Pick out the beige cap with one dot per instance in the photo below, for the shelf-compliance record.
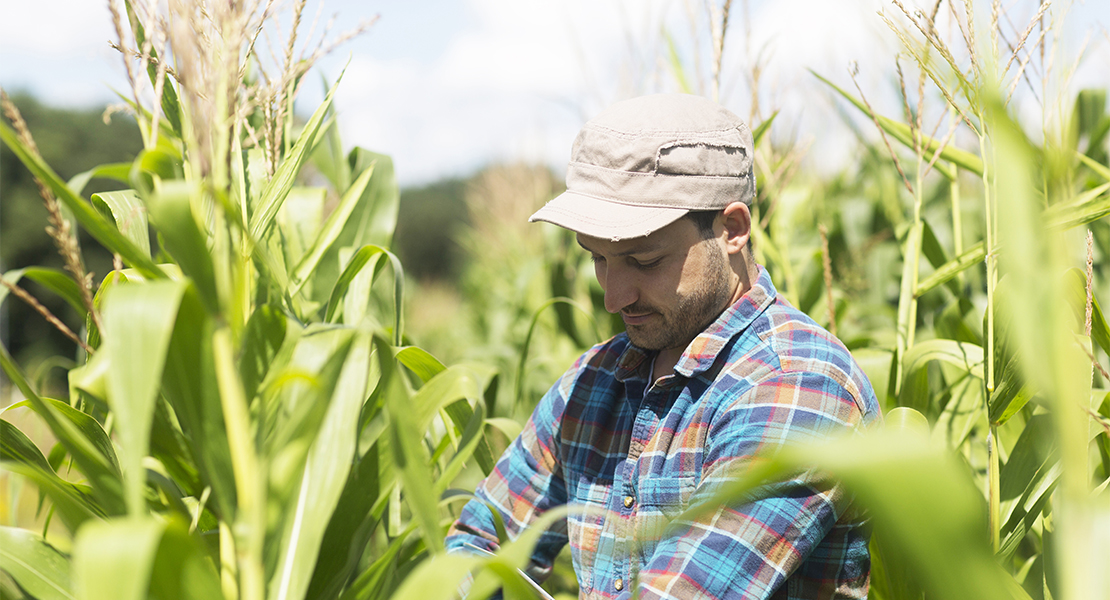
(643, 163)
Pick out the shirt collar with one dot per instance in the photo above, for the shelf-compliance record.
(703, 350)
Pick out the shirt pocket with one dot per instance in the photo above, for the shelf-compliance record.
(584, 529)
(660, 500)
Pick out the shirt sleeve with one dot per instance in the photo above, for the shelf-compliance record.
(526, 481)
(748, 550)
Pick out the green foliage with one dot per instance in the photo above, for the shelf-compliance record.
(73, 142)
(255, 420)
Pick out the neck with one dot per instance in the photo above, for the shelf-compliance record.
(665, 361)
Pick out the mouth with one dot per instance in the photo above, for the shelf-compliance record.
(631, 320)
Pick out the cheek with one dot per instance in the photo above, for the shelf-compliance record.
(599, 272)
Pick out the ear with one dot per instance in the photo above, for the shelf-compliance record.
(737, 221)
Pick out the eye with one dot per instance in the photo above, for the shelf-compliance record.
(596, 258)
(646, 265)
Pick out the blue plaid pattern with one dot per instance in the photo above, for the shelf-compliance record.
(761, 376)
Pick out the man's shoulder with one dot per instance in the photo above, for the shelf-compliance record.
(784, 341)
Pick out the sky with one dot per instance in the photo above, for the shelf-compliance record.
(447, 86)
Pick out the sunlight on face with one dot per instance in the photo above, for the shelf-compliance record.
(668, 286)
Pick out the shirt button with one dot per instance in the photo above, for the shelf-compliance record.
(629, 501)
(618, 585)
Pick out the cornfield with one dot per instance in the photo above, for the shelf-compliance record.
(249, 417)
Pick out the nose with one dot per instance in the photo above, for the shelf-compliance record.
(620, 288)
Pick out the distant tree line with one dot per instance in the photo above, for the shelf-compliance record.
(430, 220)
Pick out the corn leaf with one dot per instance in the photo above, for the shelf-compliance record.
(1089, 206)
(138, 321)
(120, 172)
(352, 523)
(113, 559)
(354, 267)
(420, 362)
(278, 187)
(182, 568)
(183, 238)
(189, 384)
(35, 565)
(74, 435)
(943, 273)
(1030, 472)
(54, 280)
(674, 63)
(171, 108)
(329, 232)
(762, 129)
(967, 358)
(325, 473)
(919, 496)
(129, 214)
(372, 221)
(1094, 165)
(902, 133)
(90, 219)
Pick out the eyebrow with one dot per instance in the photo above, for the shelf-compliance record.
(641, 249)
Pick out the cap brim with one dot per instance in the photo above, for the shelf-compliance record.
(600, 218)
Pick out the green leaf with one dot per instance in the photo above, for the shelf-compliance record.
(189, 384)
(90, 219)
(438, 578)
(674, 63)
(325, 473)
(35, 565)
(97, 467)
(420, 362)
(351, 526)
(352, 270)
(371, 223)
(113, 559)
(16, 446)
(138, 323)
(104, 452)
(328, 157)
(129, 214)
(1095, 166)
(406, 437)
(924, 506)
(902, 133)
(182, 569)
(262, 340)
(934, 252)
(73, 503)
(279, 185)
(1076, 289)
(120, 172)
(963, 356)
(170, 106)
(763, 128)
(182, 237)
(971, 257)
(1030, 472)
(513, 557)
(54, 280)
(329, 232)
(1087, 207)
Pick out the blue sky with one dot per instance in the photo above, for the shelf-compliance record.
(446, 86)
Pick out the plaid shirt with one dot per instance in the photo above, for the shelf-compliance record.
(761, 376)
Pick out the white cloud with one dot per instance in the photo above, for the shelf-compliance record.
(447, 85)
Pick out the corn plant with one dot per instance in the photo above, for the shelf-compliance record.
(247, 419)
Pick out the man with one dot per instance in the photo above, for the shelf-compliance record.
(713, 369)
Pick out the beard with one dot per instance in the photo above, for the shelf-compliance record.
(690, 314)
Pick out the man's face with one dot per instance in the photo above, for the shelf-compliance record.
(668, 286)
